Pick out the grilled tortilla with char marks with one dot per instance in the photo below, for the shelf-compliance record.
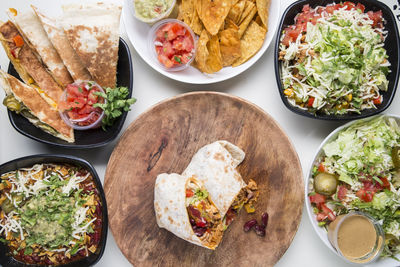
(28, 66)
(28, 102)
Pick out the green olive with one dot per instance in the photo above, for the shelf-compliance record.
(12, 103)
(325, 184)
(396, 157)
(7, 206)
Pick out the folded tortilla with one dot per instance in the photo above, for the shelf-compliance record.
(25, 100)
(171, 211)
(28, 66)
(61, 43)
(30, 26)
(93, 31)
(215, 166)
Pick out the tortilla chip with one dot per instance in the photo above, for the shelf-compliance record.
(236, 11)
(251, 42)
(229, 45)
(263, 10)
(247, 9)
(208, 57)
(213, 13)
(202, 51)
(186, 10)
(259, 21)
(196, 25)
(245, 23)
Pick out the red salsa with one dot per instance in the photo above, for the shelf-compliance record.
(174, 45)
(78, 103)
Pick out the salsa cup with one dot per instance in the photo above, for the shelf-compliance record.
(139, 7)
(152, 40)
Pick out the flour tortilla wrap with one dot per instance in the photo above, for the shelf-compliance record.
(93, 31)
(29, 25)
(28, 66)
(28, 102)
(61, 43)
(215, 166)
(170, 208)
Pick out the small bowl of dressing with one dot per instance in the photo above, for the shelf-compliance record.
(357, 237)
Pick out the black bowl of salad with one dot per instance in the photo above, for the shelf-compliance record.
(53, 212)
(337, 61)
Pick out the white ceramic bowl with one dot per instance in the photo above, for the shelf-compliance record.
(322, 233)
(137, 32)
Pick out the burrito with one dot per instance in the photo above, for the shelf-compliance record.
(28, 66)
(215, 166)
(25, 100)
(183, 206)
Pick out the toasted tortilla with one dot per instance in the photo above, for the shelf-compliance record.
(28, 66)
(29, 25)
(170, 207)
(95, 37)
(37, 106)
(215, 166)
(213, 13)
(61, 43)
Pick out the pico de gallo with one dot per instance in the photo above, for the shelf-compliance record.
(77, 103)
(360, 171)
(51, 214)
(203, 214)
(334, 60)
(174, 44)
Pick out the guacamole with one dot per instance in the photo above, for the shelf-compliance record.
(151, 9)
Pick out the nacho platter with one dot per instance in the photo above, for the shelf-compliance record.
(154, 144)
(137, 32)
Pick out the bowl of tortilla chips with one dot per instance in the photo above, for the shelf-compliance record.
(232, 36)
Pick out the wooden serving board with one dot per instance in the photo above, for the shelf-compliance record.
(164, 139)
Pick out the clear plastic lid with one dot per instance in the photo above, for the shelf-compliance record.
(152, 43)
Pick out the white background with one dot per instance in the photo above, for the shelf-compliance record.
(257, 85)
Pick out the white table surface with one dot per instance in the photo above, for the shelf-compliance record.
(257, 85)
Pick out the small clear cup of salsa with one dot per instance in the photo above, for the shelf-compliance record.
(172, 44)
(151, 11)
(76, 105)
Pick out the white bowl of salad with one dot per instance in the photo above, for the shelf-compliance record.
(357, 169)
(337, 60)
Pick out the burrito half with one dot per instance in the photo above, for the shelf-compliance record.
(183, 207)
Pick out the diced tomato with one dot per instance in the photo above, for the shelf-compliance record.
(327, 211)
(78, 102)
(360, 7)
(18, 41)
(189, 193)
(306, 8)
(186, 57)
(165, 60)
(378, 100)
(317, 199)
(92, 97)
(342, 192)
(86, 109)
(385, 183)
(349, 5)
(365, 195)
(321, 216)
(177, 44)
(321, 167)
(73, 90)
(230, 215)
(376, 17)
(13, 53)
(310, 101)
(201, 223)
(330, 9)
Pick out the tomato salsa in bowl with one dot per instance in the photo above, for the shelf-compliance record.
(172, 44)
(77, 105)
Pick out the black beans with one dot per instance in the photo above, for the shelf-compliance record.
(264, 219)
(250, 224)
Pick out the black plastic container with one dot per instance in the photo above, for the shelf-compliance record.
(6, 259)
(89, 138)
(392, 46)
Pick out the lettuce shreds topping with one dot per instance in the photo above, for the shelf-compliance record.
(338, 66)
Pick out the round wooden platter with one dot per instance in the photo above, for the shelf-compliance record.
(164, 139)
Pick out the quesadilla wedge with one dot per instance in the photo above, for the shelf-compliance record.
(61, 43)
(183, 207)
(25, 100)
(27, 64)
(95, 37)
(215, 166)
(31, 28)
